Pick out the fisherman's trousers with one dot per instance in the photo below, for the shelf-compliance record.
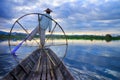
(41, 34)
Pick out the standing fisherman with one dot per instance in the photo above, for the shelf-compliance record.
(45, 22)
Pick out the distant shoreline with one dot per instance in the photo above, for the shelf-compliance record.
(107, 37)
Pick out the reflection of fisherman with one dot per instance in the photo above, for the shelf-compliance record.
(45, 22)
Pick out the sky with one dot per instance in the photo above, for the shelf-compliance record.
(75, 16)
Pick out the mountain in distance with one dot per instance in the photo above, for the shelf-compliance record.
(14, 33)
(3, 33)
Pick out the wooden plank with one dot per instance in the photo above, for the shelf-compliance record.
(61, 66)
(23, 68)
(40, 70)
(21, 75)
(8, 77)
(59, 75)
(51, 71)
(34, 56)
(18, 73)
(35, 71)
(40, 66)
(44, 73)
(15, 77)
(48, 69)
(30, 65)
(51, 64)
(32, 59)
(57, 71)
(50, 57)
(54, 57)
(65, 72)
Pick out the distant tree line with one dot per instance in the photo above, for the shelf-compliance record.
(107, 37)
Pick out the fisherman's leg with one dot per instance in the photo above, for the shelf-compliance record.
(32, 34)
(42, 37)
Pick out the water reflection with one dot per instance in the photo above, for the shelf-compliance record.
(7, 63)
(98, 60)
(93, 60)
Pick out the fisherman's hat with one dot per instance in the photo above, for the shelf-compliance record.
(48, 10)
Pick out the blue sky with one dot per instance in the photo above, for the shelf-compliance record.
(75, 16)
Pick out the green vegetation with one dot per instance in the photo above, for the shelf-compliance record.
(94, 37)
(107, 37)
(5, 37)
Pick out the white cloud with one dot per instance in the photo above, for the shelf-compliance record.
(74, 14)
(104, 21)
(93, 1)
(18, 1)
(20, 8)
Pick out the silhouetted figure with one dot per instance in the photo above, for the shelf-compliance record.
(45, 23)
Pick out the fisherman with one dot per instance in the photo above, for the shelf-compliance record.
(45, 23)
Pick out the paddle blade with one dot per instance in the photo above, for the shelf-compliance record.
(16, 48)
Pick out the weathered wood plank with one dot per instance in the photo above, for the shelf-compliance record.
(51, 71)
(23, 68)
(48, 69)
(44, 73)
(35, 71)
(9, 77)
(32, 59)
(51, 65)
(14, 76)
(59, 75)
(40, 65)
(54, 56)
(65, 72)
(61, 66)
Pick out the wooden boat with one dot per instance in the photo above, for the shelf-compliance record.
(42, 64)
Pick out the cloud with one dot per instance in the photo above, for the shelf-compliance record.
(85, 15)
(77, 15)
(6, 9)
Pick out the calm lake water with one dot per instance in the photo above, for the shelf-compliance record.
(86, 60)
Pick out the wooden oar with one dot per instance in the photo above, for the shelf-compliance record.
(18, 46)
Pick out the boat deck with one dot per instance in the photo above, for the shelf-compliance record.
(42, 64)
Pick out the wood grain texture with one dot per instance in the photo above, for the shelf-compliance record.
(40, 65)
